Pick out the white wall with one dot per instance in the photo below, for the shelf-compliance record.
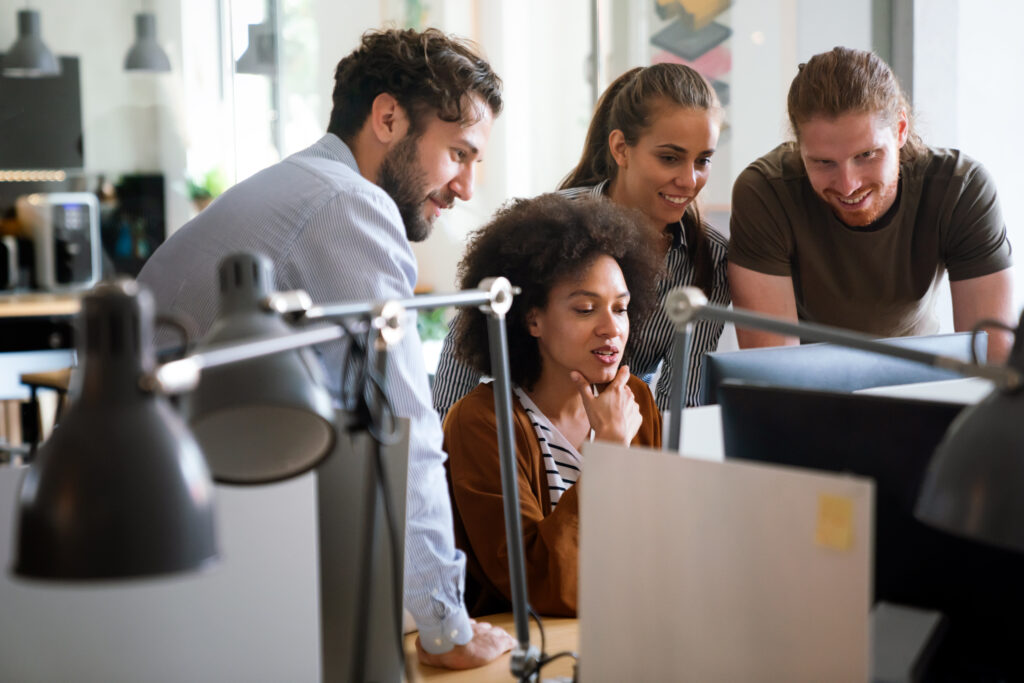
(252, 617)
(539, 135)
(770, 38)
(965, 55)
(989, 102)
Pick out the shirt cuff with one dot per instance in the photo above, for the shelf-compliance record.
(439, 637)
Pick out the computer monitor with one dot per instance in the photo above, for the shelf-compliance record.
(827, 366)
(979, 588)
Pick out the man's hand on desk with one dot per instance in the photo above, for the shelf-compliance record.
(488, 643)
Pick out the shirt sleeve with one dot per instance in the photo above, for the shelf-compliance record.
(550, 542)
(354, 248)
(975, 243)
(761, 238)
(651, 428)
(454, 379)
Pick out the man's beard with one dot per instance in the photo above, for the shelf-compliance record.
(402, 177)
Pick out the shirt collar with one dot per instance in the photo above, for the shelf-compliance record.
(333, 147)
(675, 229)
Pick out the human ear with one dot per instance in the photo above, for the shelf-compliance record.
(618, 147)
(532, 324)
(388, 119)
(902, 129)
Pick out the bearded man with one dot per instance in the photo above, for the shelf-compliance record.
(855, 223)
(412, 114)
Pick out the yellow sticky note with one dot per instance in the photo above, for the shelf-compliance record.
(835, 522)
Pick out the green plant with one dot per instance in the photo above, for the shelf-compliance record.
(209, 186)
(431, 324)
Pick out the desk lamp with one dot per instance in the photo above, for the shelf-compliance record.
(972, 484)
(94, 505)
(51, 541)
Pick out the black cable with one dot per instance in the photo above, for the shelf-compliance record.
(540, 627)
(545, 659)
(181, 327)
(987, 322)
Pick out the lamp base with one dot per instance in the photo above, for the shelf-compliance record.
(343, 491)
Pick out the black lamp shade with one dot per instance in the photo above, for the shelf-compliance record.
(120, 489)
(974, 481)
(260, 420)
(28, 56)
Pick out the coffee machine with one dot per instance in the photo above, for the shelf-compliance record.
(65, 235)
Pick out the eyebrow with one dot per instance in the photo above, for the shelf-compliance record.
(473, 149)
(681, 150)
(594, 295)
(856, 154)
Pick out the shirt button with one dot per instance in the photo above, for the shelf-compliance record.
(455, 632)
(434, 592)
(438, 642)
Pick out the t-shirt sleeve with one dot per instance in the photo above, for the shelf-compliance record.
(761, 238)
(975, 242)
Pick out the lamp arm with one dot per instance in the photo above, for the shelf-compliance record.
(299, 302)
(685, 304)
(182, 375)
(525, 658)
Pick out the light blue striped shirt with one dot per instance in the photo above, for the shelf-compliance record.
(335, 234)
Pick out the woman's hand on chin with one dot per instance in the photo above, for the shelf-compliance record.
(614, 413)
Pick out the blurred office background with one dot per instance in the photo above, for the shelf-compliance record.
(249, 82)
(215, 117)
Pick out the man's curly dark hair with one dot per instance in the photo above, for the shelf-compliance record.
(537, 243)
(424, 71)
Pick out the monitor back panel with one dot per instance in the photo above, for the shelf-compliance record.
(827, 366)
(890, 440)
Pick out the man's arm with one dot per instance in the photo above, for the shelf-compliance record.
(989, 297)
(364, 227)
(761, 293)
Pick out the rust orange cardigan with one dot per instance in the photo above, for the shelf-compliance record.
(551, 538)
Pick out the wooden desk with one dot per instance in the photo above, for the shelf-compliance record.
(562, 634)
(37, 304)
(36, 320)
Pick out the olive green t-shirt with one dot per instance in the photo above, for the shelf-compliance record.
(881, 279)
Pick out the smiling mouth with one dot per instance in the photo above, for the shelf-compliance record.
(675, 199)
(853, 201)
(436, 206)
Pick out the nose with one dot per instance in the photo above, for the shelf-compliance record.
(847, 180)
(608, 325)
(687, 177)
(462, 184)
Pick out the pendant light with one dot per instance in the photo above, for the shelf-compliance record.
(28, 56)
(145, 54)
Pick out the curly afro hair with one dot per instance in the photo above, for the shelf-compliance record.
(537, 243)
(425, 71)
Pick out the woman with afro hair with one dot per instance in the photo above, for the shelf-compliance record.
(588, 270)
